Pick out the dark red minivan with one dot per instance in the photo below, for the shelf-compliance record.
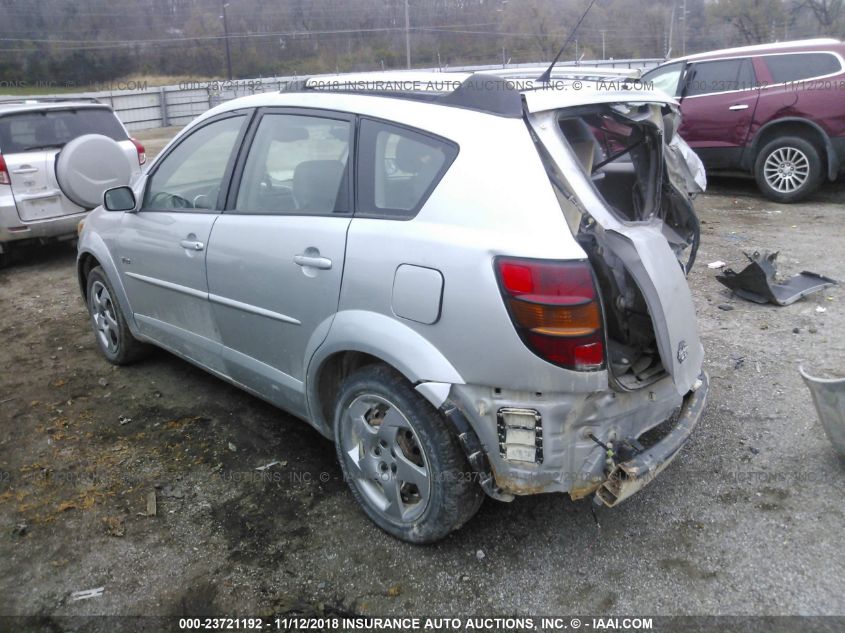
(776, 110)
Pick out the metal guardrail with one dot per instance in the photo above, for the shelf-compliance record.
(163, 106)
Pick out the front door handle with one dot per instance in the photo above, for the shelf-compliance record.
(323, 263)
(739, 106)
(192, 245)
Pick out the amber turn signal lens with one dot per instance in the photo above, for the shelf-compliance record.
(579, 320)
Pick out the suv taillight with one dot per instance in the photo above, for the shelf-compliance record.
(4, 172)
(555, 309)
(142, 153)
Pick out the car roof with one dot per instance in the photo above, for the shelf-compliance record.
(818, 44)
(8, 106)
(504, 93)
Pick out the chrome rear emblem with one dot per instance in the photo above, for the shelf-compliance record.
(683, 351)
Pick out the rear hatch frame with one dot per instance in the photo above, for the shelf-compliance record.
(642, 246)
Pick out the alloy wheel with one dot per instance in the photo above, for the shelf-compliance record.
(104, 317)
(786, 169)
(385, 458)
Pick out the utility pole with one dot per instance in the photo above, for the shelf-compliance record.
(684, 35)
(226, 37)
(671, 32)
(603, 34)
(407, 36)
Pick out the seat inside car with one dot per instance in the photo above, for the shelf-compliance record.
(317, 184)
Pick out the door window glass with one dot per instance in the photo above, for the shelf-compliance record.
(190, 176)
(712, 77)
(665, 78)
(297, 165)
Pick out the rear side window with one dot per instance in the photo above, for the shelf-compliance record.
(398, 169)
(720, 76)
(29, 131)
(785, 68)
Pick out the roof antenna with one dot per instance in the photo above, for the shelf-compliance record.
(547, 76)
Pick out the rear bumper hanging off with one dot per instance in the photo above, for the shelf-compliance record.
(629, 477)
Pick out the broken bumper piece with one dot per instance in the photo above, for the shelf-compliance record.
(756, 282)
(631, 476)
(829, 398)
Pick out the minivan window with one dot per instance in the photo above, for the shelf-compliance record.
(398, 169)
(29, 131)
(795, 67)
(719, 76)
(190, 176)
(297, 165)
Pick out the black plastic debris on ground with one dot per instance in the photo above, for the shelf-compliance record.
(757, 283)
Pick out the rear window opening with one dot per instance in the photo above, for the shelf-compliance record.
(46, 129)
(621, 156)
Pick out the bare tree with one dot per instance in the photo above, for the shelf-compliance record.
(828, 13)
(754, 21)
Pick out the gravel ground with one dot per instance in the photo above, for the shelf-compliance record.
(748, 520)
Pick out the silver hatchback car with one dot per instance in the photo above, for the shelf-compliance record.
(474, 284)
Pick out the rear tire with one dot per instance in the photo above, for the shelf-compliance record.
(402, 461)
(112, 333)
(788, 169)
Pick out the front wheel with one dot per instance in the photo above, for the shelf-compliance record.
(402, 461)
(113, 336)
(788, 169)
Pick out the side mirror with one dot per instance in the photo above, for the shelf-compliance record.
(119, 199)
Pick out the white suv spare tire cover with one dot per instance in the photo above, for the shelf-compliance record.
(89, 165)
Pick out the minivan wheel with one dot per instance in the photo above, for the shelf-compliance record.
(403, 463)
(113, 336)
(788, 169)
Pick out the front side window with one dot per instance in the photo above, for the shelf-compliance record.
(190, 176)
(795, 67)
(665, 78)
(398, 169)
(719, 76)
(297, 165)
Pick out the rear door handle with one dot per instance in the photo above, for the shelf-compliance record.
(25, 170)
(323, 263)
(740, 106)
(192, 245)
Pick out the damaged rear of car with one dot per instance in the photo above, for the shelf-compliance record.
(624, 183)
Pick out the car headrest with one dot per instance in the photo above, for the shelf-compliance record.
(316, 184)
(413, 157)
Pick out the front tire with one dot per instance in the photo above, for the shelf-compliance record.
(788, 169)
(402, 461)
(112, 333)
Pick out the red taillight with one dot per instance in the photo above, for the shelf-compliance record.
(4, 172)
(142, 153)
(555, 309)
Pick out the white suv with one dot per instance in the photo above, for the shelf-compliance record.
(472, 284)
(34, 206)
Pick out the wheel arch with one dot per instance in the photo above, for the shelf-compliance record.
(85, 262)
(94, 252)
(795, 126)
(357, 338)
